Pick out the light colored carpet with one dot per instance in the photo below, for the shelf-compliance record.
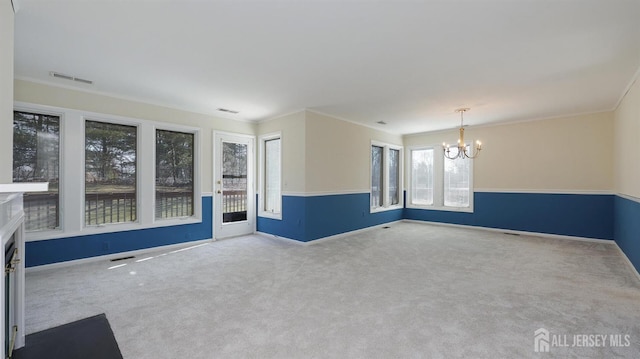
(410, 291)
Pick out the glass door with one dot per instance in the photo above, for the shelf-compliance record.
(234, 185)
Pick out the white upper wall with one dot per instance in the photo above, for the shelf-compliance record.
(338, 154)
(41, 94)
(322, 154)
(626, 144)
(6, 91)
(292, 130)
(562, 154)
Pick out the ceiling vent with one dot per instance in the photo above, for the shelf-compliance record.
(70, 78)
(228, 111)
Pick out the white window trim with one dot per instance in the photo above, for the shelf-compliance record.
(438, 182)
(385, 170)
(72, 173)
(409, 167)
(139, 164)
(197, 190)
(61, 175)
(261, 175)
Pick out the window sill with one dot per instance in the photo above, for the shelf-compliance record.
(442, 208)
(270, 215)
(384, 209)
(109, 228)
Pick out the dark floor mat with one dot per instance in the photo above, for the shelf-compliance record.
(86, 338)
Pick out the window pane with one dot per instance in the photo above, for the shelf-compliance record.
(272, 199)
(394, 176)
(110, 173)
(234, 182)
(422, 177)
(36, 158)
(456, 182)
(174, 174)
(376, 176)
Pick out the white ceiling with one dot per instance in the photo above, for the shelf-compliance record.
(408, 63)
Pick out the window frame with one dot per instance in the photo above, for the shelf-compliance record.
(86, 119)
(197, 194)
(72, 145)
(40, 110)
(438, 182)
(262, 139)
(410, 203)
(386, 206)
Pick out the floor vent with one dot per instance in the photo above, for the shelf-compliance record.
(386, 227)
(511, 234)
(121, 259)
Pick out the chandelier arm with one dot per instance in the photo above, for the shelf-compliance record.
(447, 154)
(476, 153)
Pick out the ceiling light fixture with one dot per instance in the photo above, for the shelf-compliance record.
(462, 146)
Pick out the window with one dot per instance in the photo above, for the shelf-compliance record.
(439, 183)
(394, 176)
(110, 173)
(90, 161)
(174, 174)
(422, 176)
(456, 182)
(36, 158)
(235, 181)
(377, 180)
(272, 202)
(271, 172)
(386, 176)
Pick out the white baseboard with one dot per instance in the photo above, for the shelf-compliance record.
(280, 238)
(630, 198)
(115, 255)
(510, 231)
(345, 234)
(329, 238)
(633, 268)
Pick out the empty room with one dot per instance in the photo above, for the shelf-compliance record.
(320, 179)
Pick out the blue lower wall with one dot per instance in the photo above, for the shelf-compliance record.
(580, 215)
(313, 217)
(335, 214)
(627, 228)
(70, 248)
(293, 222)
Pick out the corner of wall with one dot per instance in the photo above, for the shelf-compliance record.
(6, 91)
(627, 173)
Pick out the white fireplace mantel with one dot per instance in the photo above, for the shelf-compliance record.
(24, 187)
(12, 226)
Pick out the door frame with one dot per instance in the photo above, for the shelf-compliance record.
(218, 225)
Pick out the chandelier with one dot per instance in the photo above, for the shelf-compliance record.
(462, 151)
